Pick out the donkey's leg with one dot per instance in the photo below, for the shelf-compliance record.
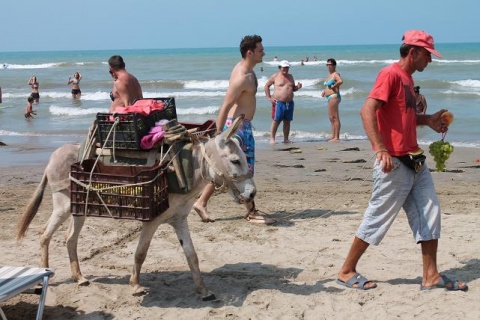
(183, 234)
(60, 213)
(146, 235)
(72, 242)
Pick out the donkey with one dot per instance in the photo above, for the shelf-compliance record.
(220, 161)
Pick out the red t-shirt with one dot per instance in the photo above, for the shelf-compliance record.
(396, 118)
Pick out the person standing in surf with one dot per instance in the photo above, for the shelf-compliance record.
(33, 82)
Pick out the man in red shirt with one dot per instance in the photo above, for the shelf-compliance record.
(401, 178)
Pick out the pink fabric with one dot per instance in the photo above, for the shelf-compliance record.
(149, 140)
(143, 107)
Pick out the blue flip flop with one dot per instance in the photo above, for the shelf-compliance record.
(446, 283)
(357, 279)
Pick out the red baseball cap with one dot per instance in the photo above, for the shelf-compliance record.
(420, 39)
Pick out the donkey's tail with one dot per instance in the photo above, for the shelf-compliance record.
(31, 209)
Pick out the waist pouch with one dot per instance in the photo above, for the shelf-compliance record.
(414, 162)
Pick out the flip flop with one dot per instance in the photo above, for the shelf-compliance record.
(357, 279)
(253, 216)
(446, 283)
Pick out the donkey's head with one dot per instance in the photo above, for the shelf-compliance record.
(228, 164)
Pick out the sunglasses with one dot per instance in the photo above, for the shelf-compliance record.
(329, 64)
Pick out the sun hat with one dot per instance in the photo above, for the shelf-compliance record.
(420, 39)
(284, 64)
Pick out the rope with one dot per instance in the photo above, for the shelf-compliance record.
(223, 186)
(117, 121)
(201, 133)
(174, 139)
(444, 134)
(89, 143)
(89, 186)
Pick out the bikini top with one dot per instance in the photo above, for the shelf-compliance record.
(75, 81)
(35, 86)
(329, 83)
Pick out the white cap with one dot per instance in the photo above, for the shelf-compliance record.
(284, 64)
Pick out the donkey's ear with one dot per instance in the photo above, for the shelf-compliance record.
(234, 127)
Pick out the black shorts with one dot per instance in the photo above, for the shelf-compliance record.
(35, 95)
(76, 91)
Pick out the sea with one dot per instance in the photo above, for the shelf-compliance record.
(198, 80)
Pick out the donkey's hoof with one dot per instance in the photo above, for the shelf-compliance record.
(210, 297)
(83, 282)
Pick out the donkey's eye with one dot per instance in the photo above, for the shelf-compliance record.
(236, 162)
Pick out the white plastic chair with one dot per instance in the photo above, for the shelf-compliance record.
(15, 280)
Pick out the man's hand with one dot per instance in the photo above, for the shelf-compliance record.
(434, 121)
(386, 159)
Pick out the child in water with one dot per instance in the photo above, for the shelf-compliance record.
(29, 109)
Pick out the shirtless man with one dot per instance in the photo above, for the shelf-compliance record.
(282, 101)
(126, 88)
(239, 99)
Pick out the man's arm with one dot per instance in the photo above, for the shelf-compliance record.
(235, 89)
(295, 87)
(268, 84)
(338, 80)
(369, 120)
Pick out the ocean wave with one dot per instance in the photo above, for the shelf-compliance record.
(33, 134)
(206, 85)
(177, 94)
(462, 93)
(71, 111)
(306, 136)
(458, 61)
(368, 62)
(467, 83)
(31, 66)
(211, 110)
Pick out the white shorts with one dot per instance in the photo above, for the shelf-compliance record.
(401, 188)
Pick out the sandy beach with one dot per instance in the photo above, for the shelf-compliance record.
(317, 193)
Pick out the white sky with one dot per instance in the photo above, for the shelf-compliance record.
(142, 24)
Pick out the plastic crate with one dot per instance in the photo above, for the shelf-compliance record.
(124, 192)
(132, 126)
(208, 128)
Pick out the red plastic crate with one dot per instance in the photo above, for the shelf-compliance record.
(124, 192)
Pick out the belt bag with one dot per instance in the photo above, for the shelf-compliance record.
(414, 162)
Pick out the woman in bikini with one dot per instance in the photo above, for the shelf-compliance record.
(332, 93)
(75, 82)
(34, 84)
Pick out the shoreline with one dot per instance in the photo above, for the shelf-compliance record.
(34, 152)
(317, 194)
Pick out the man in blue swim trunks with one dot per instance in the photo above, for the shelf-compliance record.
(239, 99)
(282, 100)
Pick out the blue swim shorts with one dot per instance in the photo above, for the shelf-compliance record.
(397, 189)
(248, 142)
(283, 111)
